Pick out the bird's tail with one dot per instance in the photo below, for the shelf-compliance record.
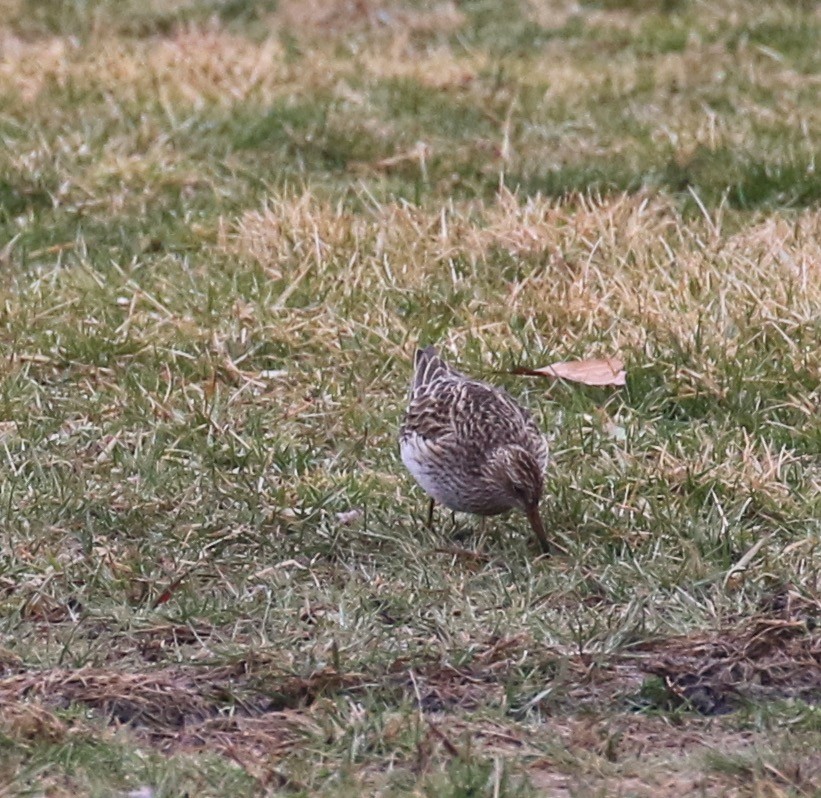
(428, 366)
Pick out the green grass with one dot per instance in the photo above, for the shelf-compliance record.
(224, 228)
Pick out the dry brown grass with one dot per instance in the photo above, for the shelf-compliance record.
(274, 714)
(630, 265)
(225, 227)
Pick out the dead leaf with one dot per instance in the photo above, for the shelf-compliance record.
(596, 371)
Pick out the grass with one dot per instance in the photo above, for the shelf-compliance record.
(224, 228)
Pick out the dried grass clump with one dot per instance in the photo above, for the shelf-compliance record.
(435, 68)
(776, 654)
(626, 264)
(171, 710)
(553, 14)
(419, 240)
(196, 67)
(31, 721)
(312, 18)
(205, 67)
(26, 67)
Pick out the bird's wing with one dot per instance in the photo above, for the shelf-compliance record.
(469, 412)
(447, 408)
(429, 413)
(491, 417)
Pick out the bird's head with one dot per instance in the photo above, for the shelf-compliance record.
(520, 475)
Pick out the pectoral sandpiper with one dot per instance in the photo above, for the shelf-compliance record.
(470, 446)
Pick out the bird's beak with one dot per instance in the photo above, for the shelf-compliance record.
(538, 527)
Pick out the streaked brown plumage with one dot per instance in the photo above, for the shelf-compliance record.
(470, 446)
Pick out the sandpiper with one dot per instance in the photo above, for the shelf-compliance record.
(470, 446)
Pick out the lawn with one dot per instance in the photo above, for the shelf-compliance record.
(226, 225)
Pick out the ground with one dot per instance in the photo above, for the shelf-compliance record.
(224, 229)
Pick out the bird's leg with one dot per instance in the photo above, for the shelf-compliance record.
(482, 525)
(430, 514)
(479, 538)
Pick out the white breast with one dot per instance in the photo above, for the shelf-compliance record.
(424, 462)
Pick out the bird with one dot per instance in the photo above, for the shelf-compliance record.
(470, 446)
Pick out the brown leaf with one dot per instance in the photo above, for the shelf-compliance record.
(597, 371)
